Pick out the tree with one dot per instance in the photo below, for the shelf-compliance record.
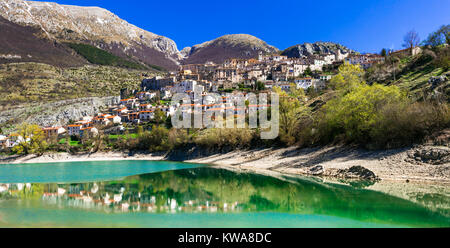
(291, 111)
(140, 130)
(348, 78)
(307, 72)
(32, 140)
(411, 40)
(439, 37)
(383, 52)
(297, 93)
(159, 117)
(260, 85)
(156, 140)
(356, 114)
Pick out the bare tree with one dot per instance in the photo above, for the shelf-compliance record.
(411, 40)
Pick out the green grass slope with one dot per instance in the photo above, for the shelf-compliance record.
(101, 57)
(412, 73)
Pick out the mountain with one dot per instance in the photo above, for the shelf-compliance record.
(228, 46)
(94, 26)
(308, 49)
(23, 44)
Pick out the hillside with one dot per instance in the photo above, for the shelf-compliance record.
(24, 44)
(36, 82)
(413, 73)
(101, 57)
(94, 26)
(228, 46)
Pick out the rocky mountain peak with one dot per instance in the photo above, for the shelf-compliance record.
(308, 49)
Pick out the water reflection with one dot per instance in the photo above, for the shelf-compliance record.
(209, 190)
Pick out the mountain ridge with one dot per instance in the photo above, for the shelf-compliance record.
(61, 24)
(319, 47)
(95, 26)
(226, 47)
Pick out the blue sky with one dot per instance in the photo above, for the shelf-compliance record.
(364, 25)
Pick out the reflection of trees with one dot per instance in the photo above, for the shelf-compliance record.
(209, 189)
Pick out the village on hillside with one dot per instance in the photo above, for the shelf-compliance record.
(256, 75)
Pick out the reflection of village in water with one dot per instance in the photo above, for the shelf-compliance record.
(211, 190)
(115, 197)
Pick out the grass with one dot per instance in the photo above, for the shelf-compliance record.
(101, 57)
(74, 143)
(412, 73)
(116, 136)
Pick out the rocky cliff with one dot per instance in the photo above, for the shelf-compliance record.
(92, 25)
(56, 113)
(308, 49)
(228, 46)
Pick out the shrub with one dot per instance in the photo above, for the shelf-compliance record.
(399, 125)
(177, 138)
(225, 137)
(379, 117)
(156, 140)
(354, 114)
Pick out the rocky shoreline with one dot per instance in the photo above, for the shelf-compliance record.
(420, 164)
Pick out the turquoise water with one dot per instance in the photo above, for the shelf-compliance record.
(170, 194)
(83, 171)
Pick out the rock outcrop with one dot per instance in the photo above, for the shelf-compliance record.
(58, 113)
(437, 81)
(308, 49)
(430, 155)
(357, 172)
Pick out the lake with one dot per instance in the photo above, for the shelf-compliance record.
(173, 194)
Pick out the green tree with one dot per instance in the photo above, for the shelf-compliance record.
(140, 129)
(291, 110)
(159, 117)
(383, 52)
(348, 78)
(156, 140)
(33, 140)
(307, 72)
(356, 113)
(260, 85)
(439, 37)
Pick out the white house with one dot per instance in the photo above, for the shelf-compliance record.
(53, 131)
(74, 130)
(146, 115)
(145, 95)
(114, 119)
(303, 83)
(185, 86)
(4, 142)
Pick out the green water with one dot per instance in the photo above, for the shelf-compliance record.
(169, 194)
